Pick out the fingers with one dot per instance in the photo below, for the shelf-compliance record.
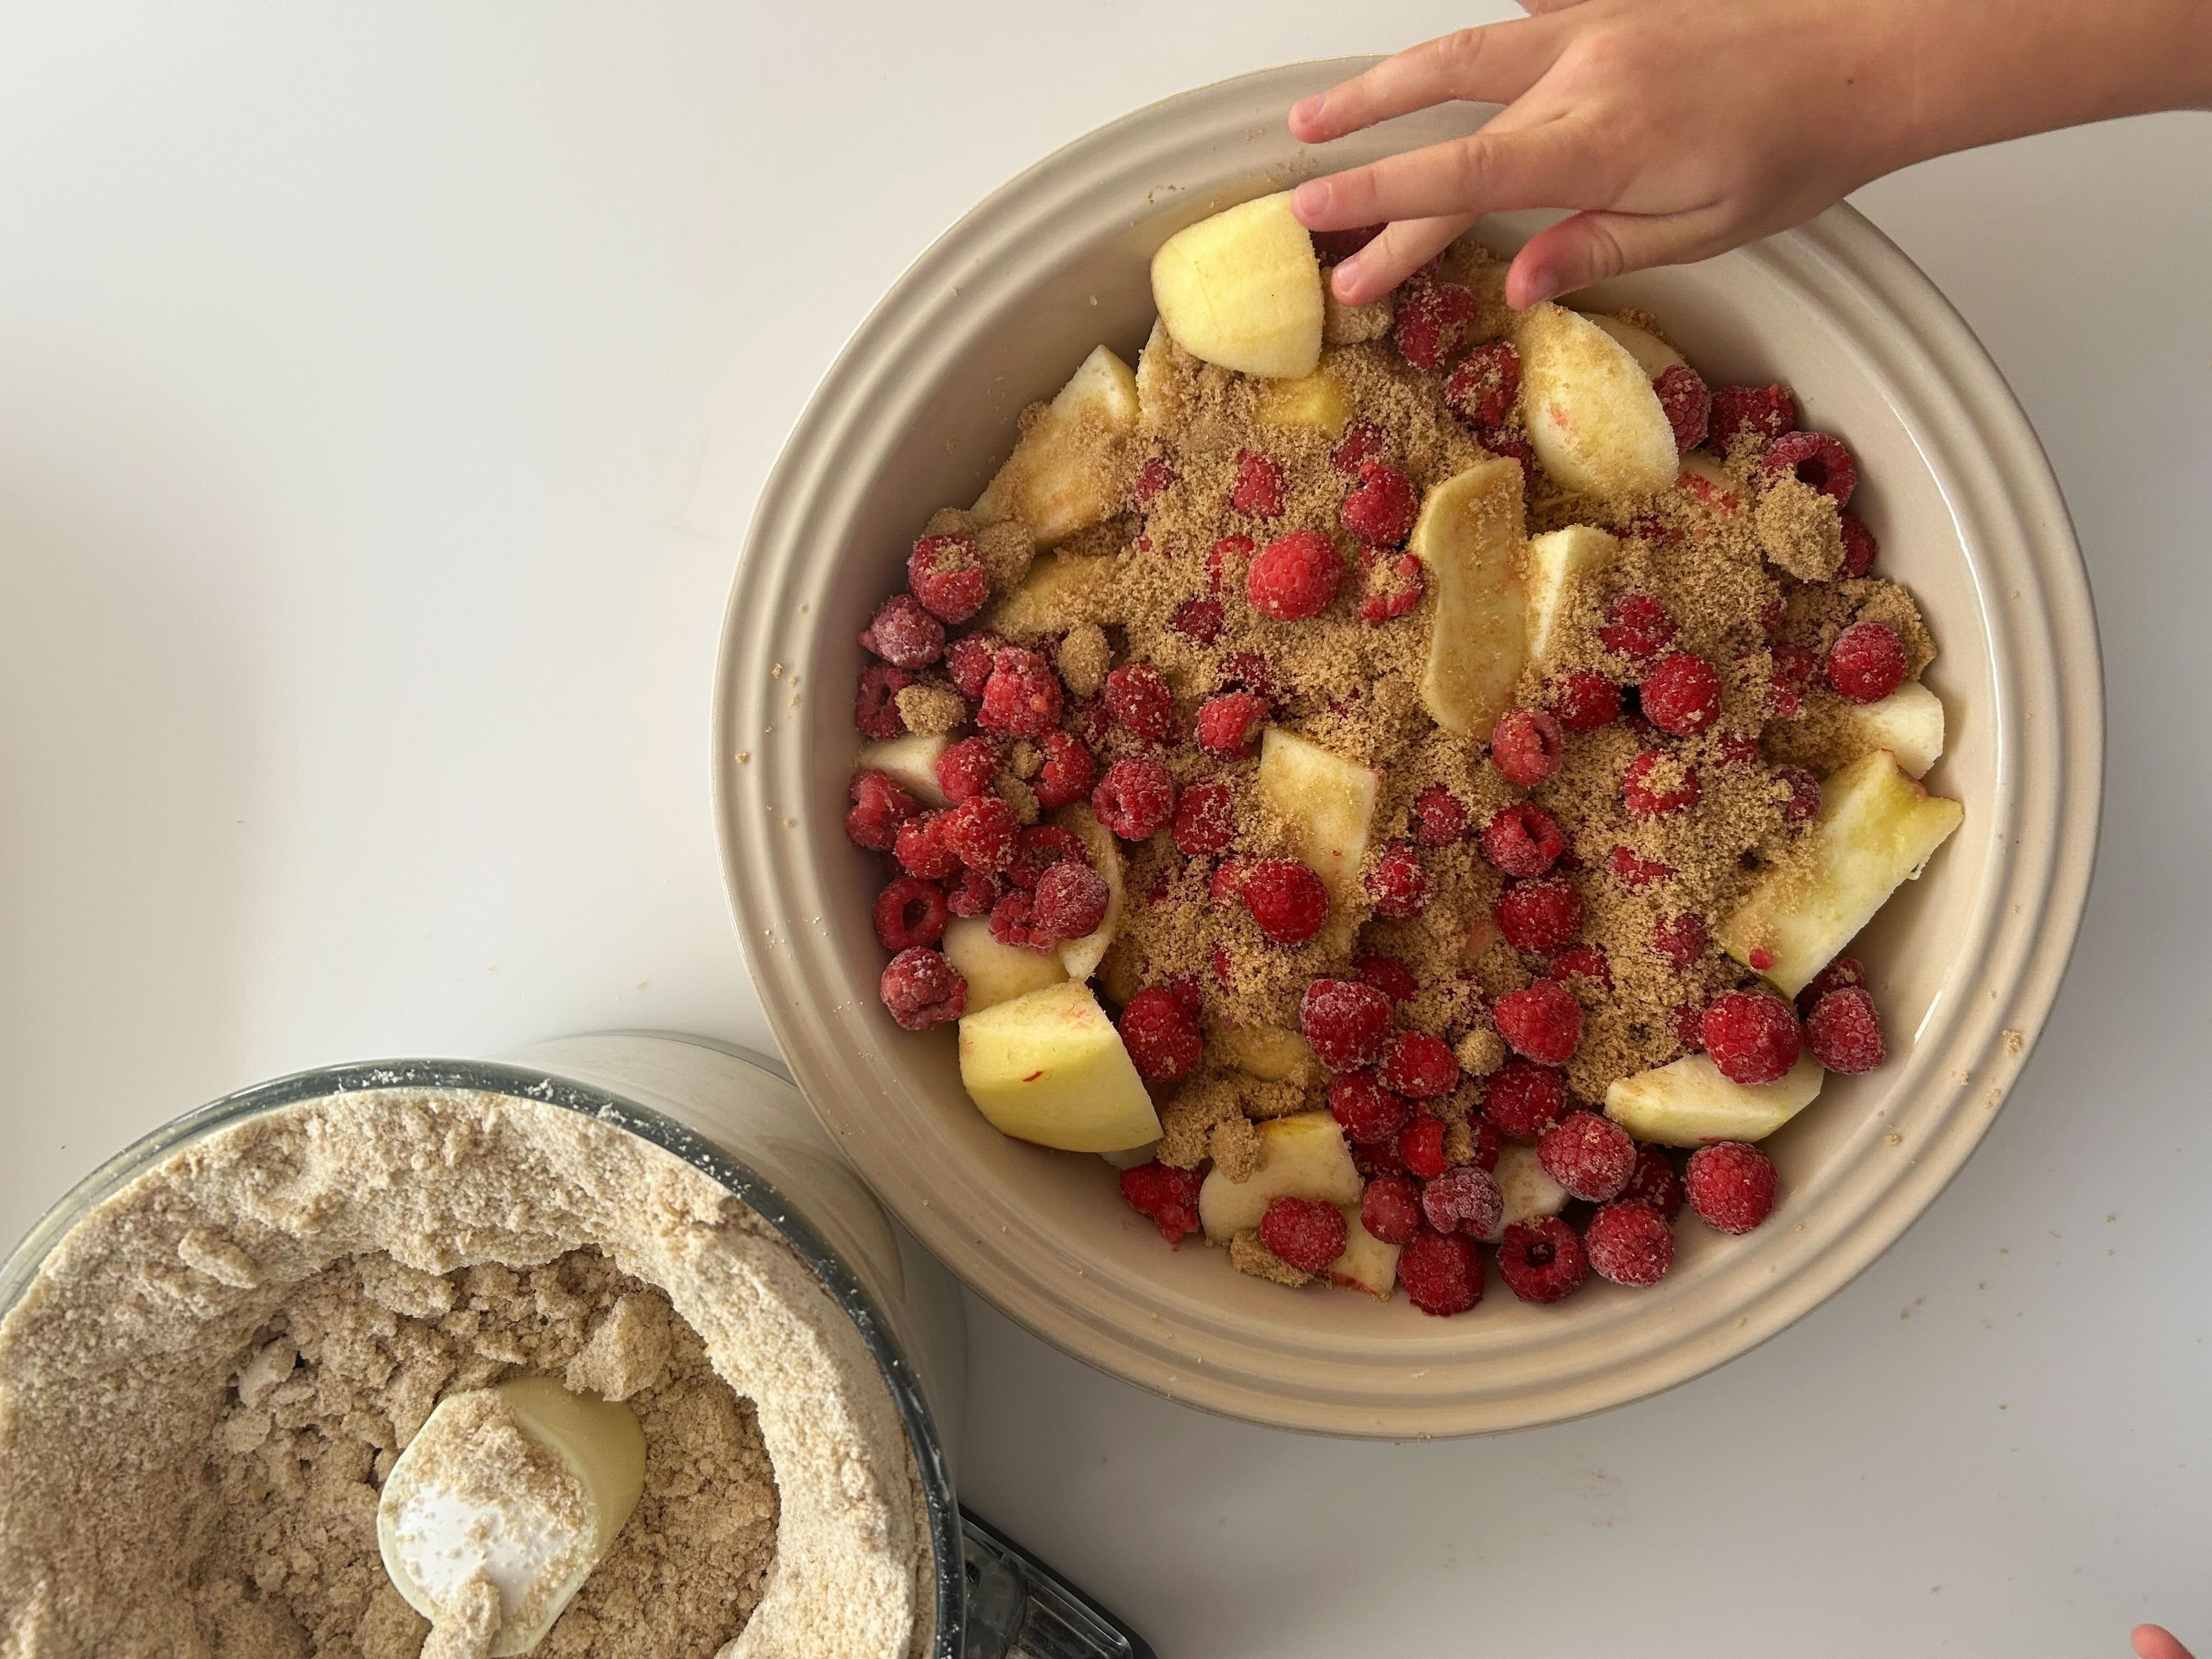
(1402, 249)
(1548, 166)
(1492, 64)
(2154, 1642)
(1592, 246)
(1537, 8)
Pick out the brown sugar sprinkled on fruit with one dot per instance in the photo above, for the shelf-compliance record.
(1345, 1023)
(1526, 744)
(1285, 898)
(1759, 412)
(1294, 577)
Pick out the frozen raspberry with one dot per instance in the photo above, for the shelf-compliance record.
(1367, 1111)
(1303, 1232)
(1843, 1031)
(1335, 247)
(1583, 962)
(980, 832)
(1582, 700)
(903, 633)
(1249, 671)
(1071, 901)
(1526, 744)
(1488, 1143)
(1362, 441)
(1654, 1182)
(972, 893)
(1798, 666)
(1224, 563)
(1636, 872)
(1155, 476)
(1752, 1036)
(1138, 697)
(968, 660)
(1040, 846)
(1867, 662)
(1630, 1244)
(965, 770)
(1420, 1147)
(1591, 1157)
(1522, 840)
(1379, 511)
(947, 577)
(1813, 458)
(1294, 577)
(1440, 818)
(920, 849)
(1804, 803)
(1259, 487)
(1655, 784)
(1390, 1209)
(1542, 1022)
(1135, 799)
(1013, 923)
(1765, 411)
(1540, 915)
(1229, 726)
(1680, 694)
(922, 989)
(1731, 1185)
(1732, 749)
(1689, 1027)
(1418, 1066)
(1637, 627)
(1681, 938)
(1842, 974)
(1442, 1273)
(1198, 619)
(880, 806)
(1285, 898)
(1165, 1196)
(1227, 881)
(1389, 976)
(1021, 697)
(1859, 547)
(1068, 771)
(874, 708)
(1345, 1023)
(1541, 1261)
(1481, 390)
(1395, 592)
(1432, 323)
(1464, 1201)
(1397, 883)
(1510, 444)
(1206, 819)
(909, 912)
(1162, 1038)
(1689, 405)
(1524, 1100)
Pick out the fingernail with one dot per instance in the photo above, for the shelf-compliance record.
(1310, 197)
(1308, 109)
(1345, 280)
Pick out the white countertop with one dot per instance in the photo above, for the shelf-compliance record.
(356, 643)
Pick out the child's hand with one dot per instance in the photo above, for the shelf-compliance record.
(1683, 128)
(2155, 1642)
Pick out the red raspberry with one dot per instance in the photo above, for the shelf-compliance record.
(1091, 722)
(1481, 390)
(1464, 1201)
(1637, 627)
(1397, 883)
(1249, 671)
(1523, 1099)
(1285, 898)
(1681, 693)
(1162, 1038)
(1798, 664)
(1654, 1182)
(947, 577)
(1689, 405)
(1259, 487)
(1014, 924)
(1294, 577)
(1841, 975)
(1198, 619)
(1630, 1244)
(1136, 696)
(1229, 726)
(1390, 1209)
(1400, 587)
(1526, 745)
(1335, 247)
(1068, 773)
(1771, 616)
(1650, 798)
(1813, 458)
(1155, 476)
(904, 634)
(1732, 749)
(1859, 547)
(965, 770)
(1345, 1023)
(968, 660)
(1305, 1233)
(1225, 561)
(1431, 322)
(1367, 1111)
(874, 710)
(1507, 445)
(1418, 1066)
(1681, 938)
(1591, 1157)
(1442, 1273)
(920, 849)
(1542, 1022)
(1165, 1195)
(1206, 819)
(1765, 411)
(1731, 1185)
(1867, 662)
(1541, 1261)
(1420, 1147)
(1523, 839)
(1752, 1036)
(880, 806)
(1021, 697)
(1636, 872)
(1804, 803)
(922, 989)
(1844, 1032)
(1488, 1143)
(1379, 511)
(1540, 915)
(1362, 441)
(1583, 962)
(972, 893)
(909, 912)
(1135, 799)
(1440, 818)
(1039, 847)
(1584, 700)
(1689, 1027)
(1070, 900)
(1389, 976)
(1227, 881)
(980, 832)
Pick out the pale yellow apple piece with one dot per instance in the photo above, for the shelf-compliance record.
(1367, 1264)
(1593, 418)
(910, 761)
(1558, 565)
(1908, 722)
(1268, 1053)
(1059, 591)
(1242, 289)
(1689, 1103)
(1469, 539)
(1530, 1194)
(1081, 957)
(1877, 829)
(1707, 483)
(1157, 403)
(1302, 1156)
(1050, 1067)
(996, 973)
(1652, 353)
(1134, 1156)
(1062, 477)
(1317, 402)
(1327, 801)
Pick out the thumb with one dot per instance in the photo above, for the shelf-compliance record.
(1591, 247)
(2155, 1642)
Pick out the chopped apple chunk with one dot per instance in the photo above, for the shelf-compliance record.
(1559, 564)
(1593, 418)
(1317, 402)
(996, 973)
(1059, 591)
(1050, 1067)
(1652, 353)
(1469, 538)
(1908, 722)
(1367, 1264)
(1062, 477)
(1302, 1156)
(1690, 1104)
(1268, 1053)
(1707, 483)
(1242, 289)
(1530, 1194)
(911, 761)
(1081, 957)
(1328, 803)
